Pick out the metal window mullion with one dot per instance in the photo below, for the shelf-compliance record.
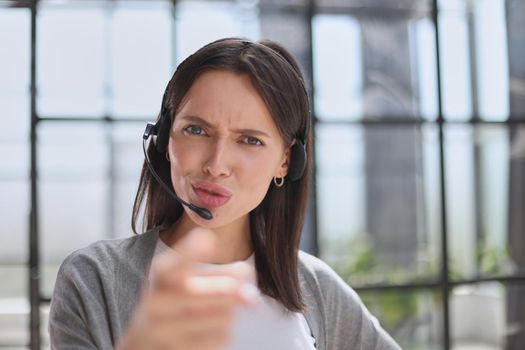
(109, 10)
(444, 281)
(34, 249)
(312, 202)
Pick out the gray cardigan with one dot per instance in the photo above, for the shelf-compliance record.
(98, 287)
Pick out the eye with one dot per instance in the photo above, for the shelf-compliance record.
(252, 141)
(194, 130)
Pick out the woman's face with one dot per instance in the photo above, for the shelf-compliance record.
(224, 148)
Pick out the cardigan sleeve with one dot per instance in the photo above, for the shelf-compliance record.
(346, 323)
(97, 290)
(78, 317)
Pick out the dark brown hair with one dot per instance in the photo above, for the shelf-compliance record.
(276, 224)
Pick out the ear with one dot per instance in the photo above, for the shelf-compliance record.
(282, 170)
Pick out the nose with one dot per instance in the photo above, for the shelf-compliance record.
(218, 161)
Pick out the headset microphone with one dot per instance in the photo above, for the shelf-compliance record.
(151, 129)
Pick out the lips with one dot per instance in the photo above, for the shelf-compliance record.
(211, 195)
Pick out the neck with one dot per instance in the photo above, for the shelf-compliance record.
(233, 241)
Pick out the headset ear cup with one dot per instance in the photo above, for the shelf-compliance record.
(297, 162)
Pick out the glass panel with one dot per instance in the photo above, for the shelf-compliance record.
(474, 59)
(426, 68)
(385, 67)
(127, 165)
(15, 116)
(200, 22)
(14, 39)
(380, 7)
(129, 156)
(515, 11)
(14, 145)
(14, 312)
(455, 65)
(488, 316)
(69, 150)
(413, 318)
(492, 59)
(452, 5)
(378, 205)
(390, 82)
(44, 323)
(281, 3)
(17, 153)
(14, 88)
(460, 199)
(141, 49)
(484, 171)
(73, 191)
(14, 307)
(14, 216)
(290, 29)
(71, 59)
(337, 67)
(14, 171)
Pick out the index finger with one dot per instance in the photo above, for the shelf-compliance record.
(171, 266)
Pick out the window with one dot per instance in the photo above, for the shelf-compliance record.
(419, 123)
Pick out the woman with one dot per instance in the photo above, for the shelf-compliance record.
(233, 145)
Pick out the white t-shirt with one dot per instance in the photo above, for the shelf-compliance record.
(267, 325)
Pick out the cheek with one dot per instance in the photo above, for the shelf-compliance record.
(182, 163)
(252, 192)
(255, 175)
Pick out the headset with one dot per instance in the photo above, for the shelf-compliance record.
(161, 129)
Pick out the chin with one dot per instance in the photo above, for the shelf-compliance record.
(220, 219)
(213, 223)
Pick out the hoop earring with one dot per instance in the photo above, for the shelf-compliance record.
(278, 183)
(167, 157)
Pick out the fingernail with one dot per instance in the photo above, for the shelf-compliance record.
(250, 293)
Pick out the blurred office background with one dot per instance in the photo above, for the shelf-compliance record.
(419, 107)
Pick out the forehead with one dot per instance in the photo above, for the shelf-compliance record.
(227, 98)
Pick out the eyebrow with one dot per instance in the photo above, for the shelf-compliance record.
(204, 122)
